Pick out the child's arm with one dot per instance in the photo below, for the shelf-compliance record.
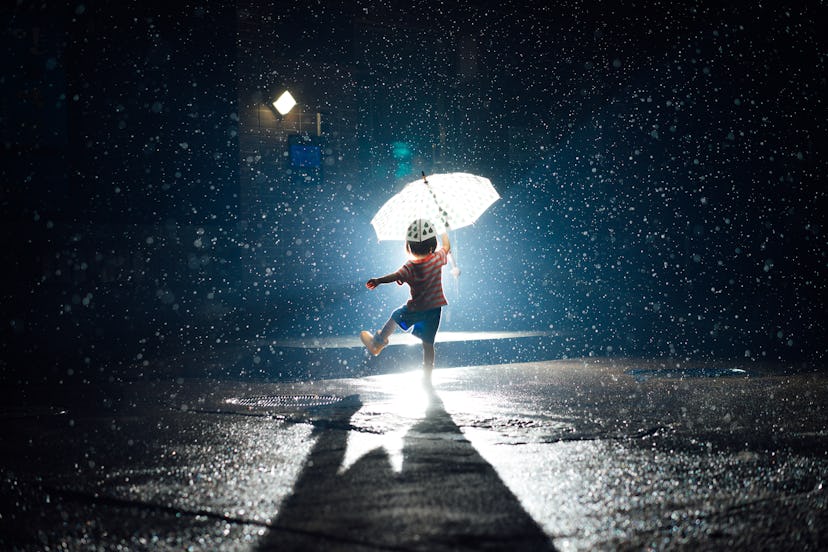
(455, 270)
(387, 279)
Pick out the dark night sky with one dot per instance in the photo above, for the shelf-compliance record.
(661, 168)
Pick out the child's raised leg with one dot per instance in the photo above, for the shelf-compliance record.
(387, 330)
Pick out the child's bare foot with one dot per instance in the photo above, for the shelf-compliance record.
(372, 342)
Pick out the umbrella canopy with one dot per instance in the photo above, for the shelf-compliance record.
(450, 200)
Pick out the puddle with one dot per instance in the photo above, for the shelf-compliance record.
(644, 374)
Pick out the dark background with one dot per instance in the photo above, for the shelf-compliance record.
(661, 171)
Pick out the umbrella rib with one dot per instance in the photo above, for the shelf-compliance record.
(440, 210)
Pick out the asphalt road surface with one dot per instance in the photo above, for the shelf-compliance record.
(579, 454)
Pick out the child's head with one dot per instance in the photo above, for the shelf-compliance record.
(423, 248)
(421, 238)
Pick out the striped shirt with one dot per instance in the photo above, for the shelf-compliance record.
(425, 278)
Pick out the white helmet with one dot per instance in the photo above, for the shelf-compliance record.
(420, 230)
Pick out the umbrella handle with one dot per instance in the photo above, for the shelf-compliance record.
(455, 270)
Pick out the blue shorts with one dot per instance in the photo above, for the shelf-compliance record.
(423, 324)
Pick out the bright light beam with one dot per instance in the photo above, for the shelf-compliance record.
(399, 338)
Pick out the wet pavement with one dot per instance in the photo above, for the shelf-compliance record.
(577, 454)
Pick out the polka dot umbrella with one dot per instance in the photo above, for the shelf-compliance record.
(449, 201)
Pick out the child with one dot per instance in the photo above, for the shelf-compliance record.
(423, 274)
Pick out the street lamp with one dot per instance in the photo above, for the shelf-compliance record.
(284, 103)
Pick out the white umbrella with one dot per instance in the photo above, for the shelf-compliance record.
(449, 201)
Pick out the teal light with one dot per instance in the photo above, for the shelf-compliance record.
(401, 152)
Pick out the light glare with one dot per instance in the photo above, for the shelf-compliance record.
(284, 103)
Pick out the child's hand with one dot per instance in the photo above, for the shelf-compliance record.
(372, 283)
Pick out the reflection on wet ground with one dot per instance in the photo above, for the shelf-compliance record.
(578, 454)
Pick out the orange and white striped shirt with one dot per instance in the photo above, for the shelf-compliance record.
(425, 278)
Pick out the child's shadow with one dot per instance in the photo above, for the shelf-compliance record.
(446, 496)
